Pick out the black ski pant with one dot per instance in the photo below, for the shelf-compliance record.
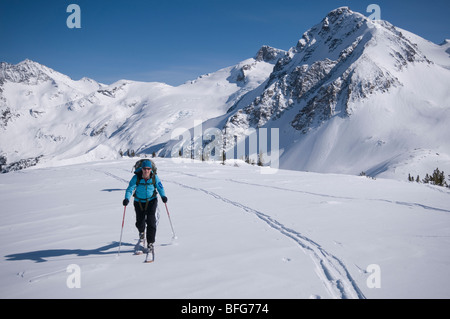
(146, 215)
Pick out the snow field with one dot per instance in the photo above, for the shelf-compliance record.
(240, 234)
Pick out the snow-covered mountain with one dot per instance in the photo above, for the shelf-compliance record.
(352, 95)
(45, 115)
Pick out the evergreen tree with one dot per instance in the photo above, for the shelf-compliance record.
(260, 159)
(438, 178)
(224, 157)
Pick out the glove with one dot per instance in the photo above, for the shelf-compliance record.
(125, 202)
(164, 199)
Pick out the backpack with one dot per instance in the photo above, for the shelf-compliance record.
(138, 164)
(138, 172)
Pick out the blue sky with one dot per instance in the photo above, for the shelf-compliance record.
(174, 41)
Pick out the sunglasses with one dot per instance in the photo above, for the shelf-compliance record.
(146, 169)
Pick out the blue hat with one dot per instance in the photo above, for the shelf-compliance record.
(146, 163)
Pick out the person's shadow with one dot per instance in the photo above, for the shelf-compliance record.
(40, 256)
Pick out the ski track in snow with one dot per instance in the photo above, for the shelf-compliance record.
(331, 271)
(120, 179)
(437, 209)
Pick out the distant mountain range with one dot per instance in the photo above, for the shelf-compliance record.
(352, 95)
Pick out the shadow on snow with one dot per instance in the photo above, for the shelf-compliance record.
(42, 255)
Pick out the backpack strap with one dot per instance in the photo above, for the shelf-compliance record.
(138, 181)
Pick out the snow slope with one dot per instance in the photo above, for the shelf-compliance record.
(241, 234)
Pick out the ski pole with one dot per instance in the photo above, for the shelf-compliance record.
(121, 232)
(168, 214)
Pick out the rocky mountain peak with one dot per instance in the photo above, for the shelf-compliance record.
(27, 71)
(269, 54)
(334, 64)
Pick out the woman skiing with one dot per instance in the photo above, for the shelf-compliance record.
(146, 185)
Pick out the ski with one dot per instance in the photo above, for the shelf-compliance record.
(150, 255)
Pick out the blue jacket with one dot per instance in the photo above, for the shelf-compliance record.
(145, 190)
